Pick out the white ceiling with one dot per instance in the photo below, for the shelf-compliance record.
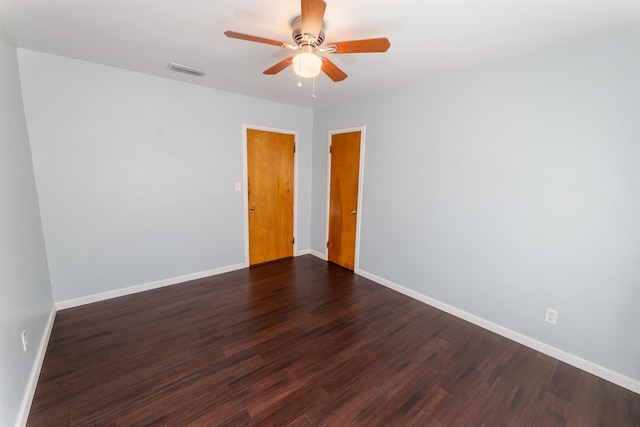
(429, 38)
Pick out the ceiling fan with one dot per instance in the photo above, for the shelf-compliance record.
(308, 36)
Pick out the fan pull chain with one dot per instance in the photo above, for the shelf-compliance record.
(313, 91)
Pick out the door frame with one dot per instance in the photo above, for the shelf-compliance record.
(362, 129)
(245, 184)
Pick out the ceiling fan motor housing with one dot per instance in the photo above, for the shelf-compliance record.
(310, 39)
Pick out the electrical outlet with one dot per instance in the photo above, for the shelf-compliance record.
(24, 340)
(551, 316)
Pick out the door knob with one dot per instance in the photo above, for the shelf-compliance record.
(353, 212)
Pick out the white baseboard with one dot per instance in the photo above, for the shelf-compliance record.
(585, 365)
(318, 255)
(303, 252)
(75, 302)
(32, 382)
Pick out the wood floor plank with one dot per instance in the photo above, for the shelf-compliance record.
(302, 342)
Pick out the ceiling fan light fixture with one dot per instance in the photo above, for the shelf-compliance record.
(308, 35)
(307, 65)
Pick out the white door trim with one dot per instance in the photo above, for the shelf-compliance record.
(362, 130)
(245, 181)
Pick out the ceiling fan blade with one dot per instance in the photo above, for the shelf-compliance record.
(248, 37)
(359, 46)
(332, 70)
(312, 12)
(279, 66)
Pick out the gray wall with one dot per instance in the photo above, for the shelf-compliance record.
(25, 294)
(509, 189)
(136, 173)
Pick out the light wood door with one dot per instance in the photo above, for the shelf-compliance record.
(343, 198)
(270, 169)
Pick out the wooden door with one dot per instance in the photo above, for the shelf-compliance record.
(270, 169)
(343, 198)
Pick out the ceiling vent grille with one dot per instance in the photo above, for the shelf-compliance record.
(187, 70)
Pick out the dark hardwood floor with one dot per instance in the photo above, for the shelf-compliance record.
(302, 342)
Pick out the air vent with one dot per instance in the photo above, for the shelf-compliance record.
(187, 70)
